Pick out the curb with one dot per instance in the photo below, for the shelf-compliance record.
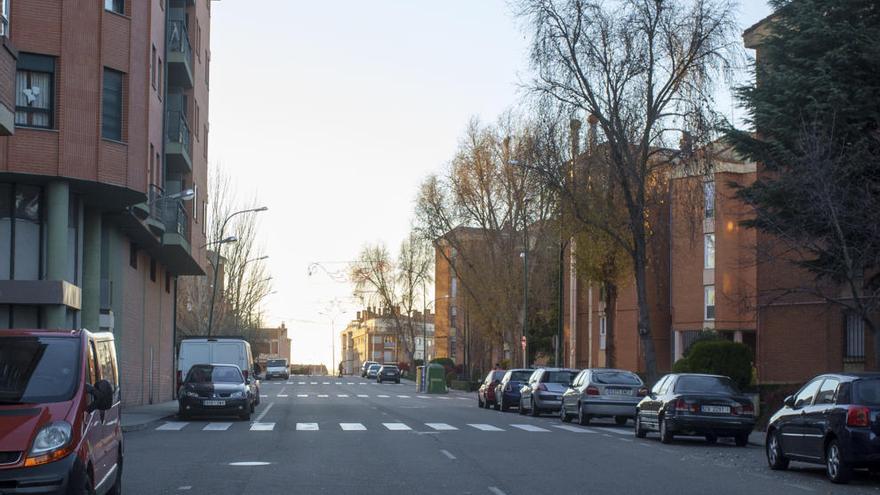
(145, 425)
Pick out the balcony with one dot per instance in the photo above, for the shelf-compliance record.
(178, 143)
(176, 251)
(179, 54)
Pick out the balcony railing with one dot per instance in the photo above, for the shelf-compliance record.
(175, 217)
(178, 40)
(154, 197)
(178, 130)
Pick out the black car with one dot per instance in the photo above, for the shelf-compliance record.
(388, 373)
(834, 420)
(694, 404)
(507, 390)
(215, 389)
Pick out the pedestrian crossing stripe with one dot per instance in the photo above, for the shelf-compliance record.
(173, 426)
(322, 395)
(300, 383)
(314, 383)
(616, 430)
(302, 395)
(363, 395)
(529, 428)
(423, 397)
(441, 426)
(352, 427)
(307, 427)
(341, 395)
(217, 426)
(281, 395)
(396, 426)
(485, 427)
(573, 429)
(382, 396)
(262, 426)
(403, 396)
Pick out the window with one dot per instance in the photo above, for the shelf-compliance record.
(112, 105)
(207, 68)
(196, 121)
(805, 396)
(117, 6)
(710, 302)
(709, 196)
(153, 68)
(709, 251)
(161, 81)
(107, 362)
(168, 282)
(204, 215)
(152, 269)
(827, 392)
(195, 202)
(34, 91)
(93, 370)
(855, 337)
(20, 232)
(4, 18)
(133, 255)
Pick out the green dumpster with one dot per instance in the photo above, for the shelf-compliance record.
(436, 379)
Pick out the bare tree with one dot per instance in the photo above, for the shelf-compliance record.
(645, 71)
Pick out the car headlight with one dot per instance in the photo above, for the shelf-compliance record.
(238, 395)
(190, 393)
(51, 443)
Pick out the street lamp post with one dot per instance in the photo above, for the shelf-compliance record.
(217, 261)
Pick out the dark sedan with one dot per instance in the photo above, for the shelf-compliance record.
(215, 389)
(507, 390)
(388, 373)
(692, 404)
(486, 392)
(834, 420)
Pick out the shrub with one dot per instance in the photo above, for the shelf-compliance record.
(451, 377)
(505, 364)
(719, 357)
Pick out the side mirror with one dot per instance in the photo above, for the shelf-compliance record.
(248, 380)
(789, 401)
(101, 396)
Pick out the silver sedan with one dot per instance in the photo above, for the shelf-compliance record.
(601, 392)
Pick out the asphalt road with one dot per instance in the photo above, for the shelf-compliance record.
(325, 435)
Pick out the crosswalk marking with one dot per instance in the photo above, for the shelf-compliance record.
(307, 426)
(441, 426)
(326, 383)
(314, 383)
(341, 395)
(423, 397)
(444, 398)
(339, 383)
(262, 426)
(396, 426)
(484, 427)
(172, 426)
(322, 395)
(300, 383)
(352, 426)
(382, 396)
(217, 426)
(463, 398)
(529, 428)
(363, 395)
(263, 395)
(302, 395)
(281, 395)
(403, 396)
(616, 430)
(573, 428)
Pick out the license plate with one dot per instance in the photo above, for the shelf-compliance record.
(214, 403)
(716, 409)
(617, 391)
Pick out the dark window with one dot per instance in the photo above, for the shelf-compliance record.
(709, 197)
(855, 337)
(133, 255)
(34, 91)
(153, 68)
(704, 384)
(827, 392)
(4, 17)
(564, 377)
(168, 282)
(112, 105)
(117, 6)
(21, 233)
(38, 369)
(616, 378)
(152, 269)
(867, 392)
(206, 373)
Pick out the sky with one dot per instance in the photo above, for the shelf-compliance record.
(332, 113)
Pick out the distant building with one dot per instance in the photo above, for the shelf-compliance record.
(270, 343)
(372, 336)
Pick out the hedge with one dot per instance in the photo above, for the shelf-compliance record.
(718, 357)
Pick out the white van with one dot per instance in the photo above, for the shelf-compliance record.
(218, 350)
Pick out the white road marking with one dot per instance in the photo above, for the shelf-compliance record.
(464, 398)
(263, 395)
(307, 426)
(341, 395)
(382, 396)
(314, 383)
(262, 426)
(340, 383)
(485, 427)
(302, 395)
(217, 426)
(403, 396)
(322, 395)
(300, 383)
(496, 491)
(423, 397)
(363, 395)
(325, 383)
(529, 428)
(249, 463)
(263, 414)
(617, 431)
(444, 398)
(352, 426)
(802, 487)
(281, 391)
(573, 428)
(441, 426)
(172, 426)
(184, 488)
(447, 454)
(281, 395)
(364, 383)
(396, 426)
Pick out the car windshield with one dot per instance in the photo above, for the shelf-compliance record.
(867, 392)
(705, 384)
(276, 363)
(214, 374)
(616, 378)
(497, 375)
(389, 368)
(564, 377)
(373, 367)
(38, 369)
(520, 375)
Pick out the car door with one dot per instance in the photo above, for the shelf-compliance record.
(569, 398)
(95, 434)
(792, 429)
(529, 388)
(816, 418)
(650, 407)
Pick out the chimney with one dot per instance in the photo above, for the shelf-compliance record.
(592, 140)
(575, 126)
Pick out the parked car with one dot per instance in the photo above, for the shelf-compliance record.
(543, 392)
(832, 420)
(218, 350)
(216, 389)
(373, 370)
(694, 404)
(365, 367)
(507, 390)
(388, 373)
(602, 393)
(60, 409)
(277, 368)
(486, 392)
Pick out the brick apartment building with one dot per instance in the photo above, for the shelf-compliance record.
(270, 343)
(103, 169)
(372, 337)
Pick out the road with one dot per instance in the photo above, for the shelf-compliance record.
(326, 435)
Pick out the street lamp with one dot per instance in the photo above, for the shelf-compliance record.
(217, 262)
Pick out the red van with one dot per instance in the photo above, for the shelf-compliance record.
(59, 413)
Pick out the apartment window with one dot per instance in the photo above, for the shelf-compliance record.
(112, 105)
(207, 68)
(709, 251)
(20, 232)
(168, 282)
(117, 6)
(152, 269)
(4, 17)
(196, 121)
(34, 91)
(453, 316)
(709, 196)
(855, 337)
(153, 68)
(133, 255)
(204, 215)
(161, 80)
(195, 202)
(710, 302)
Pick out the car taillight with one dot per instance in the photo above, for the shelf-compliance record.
(592, 390)
(542, 387)
(744, 409)
(643, 392)
(685, 406)
(858, 416)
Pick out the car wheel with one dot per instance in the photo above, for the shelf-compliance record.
(775, 458)
(711, 438)
(534, 409)
(583, 419)
(639, 431)
(496, 406)
(666, 436)
(88, 483)
(504, 407)
(620, 420)
(742, 439)
(563, 416)
(838, 470)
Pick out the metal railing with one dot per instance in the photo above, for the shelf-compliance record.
(175, 217)
(178, 40)
(177, 130)
(154, 197)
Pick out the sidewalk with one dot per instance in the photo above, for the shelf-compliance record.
(141, 417)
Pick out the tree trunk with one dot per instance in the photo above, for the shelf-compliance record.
(610, 317)
(640, 262)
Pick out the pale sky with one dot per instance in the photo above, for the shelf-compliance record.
(333, 112)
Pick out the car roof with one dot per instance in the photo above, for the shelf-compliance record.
(853, 375)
